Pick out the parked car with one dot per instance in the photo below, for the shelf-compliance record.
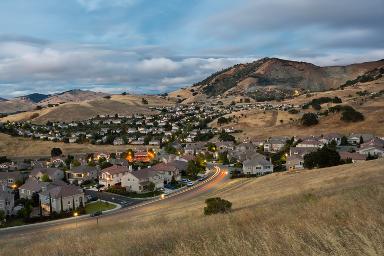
(91, 198)
(95, 214)
(201, 178)
(189, 183)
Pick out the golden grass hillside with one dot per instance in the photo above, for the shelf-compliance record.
(74, 111)
(332, 211)
(263, 124)
(19, 146)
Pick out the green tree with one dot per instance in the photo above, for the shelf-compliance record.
(324, 157)
(2, 217)
(217, 205)
(151, 187)
(56, 152)
(45, 178)
(309, 119)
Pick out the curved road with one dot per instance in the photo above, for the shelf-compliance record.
(148, 206)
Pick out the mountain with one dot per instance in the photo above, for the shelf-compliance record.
(31, 101)
(283, 76)
(34, 97)
(76, 95)
(2, 99)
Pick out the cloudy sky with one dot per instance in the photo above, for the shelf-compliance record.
(152, 46)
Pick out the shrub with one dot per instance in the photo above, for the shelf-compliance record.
(144, 101)
(217, 205)
(309, 119)
(351, 115)
(293, 111)
(324, 157)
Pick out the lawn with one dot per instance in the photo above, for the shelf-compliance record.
(98, 206)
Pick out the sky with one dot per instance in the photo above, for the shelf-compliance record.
(155, 46)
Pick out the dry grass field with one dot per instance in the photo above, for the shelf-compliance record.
(263, 124)
(332, 211)
(18, 147)
(73, 111)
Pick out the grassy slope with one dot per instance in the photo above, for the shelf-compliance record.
(333, 211)
(257, 123)
(18, 146)
(121, 104)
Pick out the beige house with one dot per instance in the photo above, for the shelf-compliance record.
(30, 187)
(139, 181)
(112, 175)
(258, 165)
(80, 174)
(294, 162)
(54, 174)
(62, 197)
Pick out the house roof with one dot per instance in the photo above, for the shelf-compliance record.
(257, 160)
(33, 184)
(144, 173)
(49, 171)
(353, 156)
(57, 190)
(14, 175)
(83, 169)
(115, 169)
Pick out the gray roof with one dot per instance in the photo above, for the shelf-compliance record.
(57, 190)
(83, 169)
(14, 175)
(34, 185)
(256, 160)
(144, 173)
(49, 171)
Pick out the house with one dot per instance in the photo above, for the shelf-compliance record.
(30, 187)
(258, 165)
(8, 179)
(294, 162)
(7, 201)
(171, 170)
(82, 173)
(328, 138)
(275, 144)
(194, 148)
(140, 181)
(121, 161)
(354, 157)
(371, 150)
(112, 175)
(310, 144)
(53, 174)
(62, 197)
(118, 141)
(356, 138)
(294, 151)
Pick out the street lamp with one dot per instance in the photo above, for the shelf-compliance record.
(75, 214)
(162, 196)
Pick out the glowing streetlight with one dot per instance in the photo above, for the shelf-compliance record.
(162, 196)
(75, 214)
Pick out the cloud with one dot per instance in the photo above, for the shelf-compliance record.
(94, 5)
(51, 68)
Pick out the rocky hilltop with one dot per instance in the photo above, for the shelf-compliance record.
(273, 75)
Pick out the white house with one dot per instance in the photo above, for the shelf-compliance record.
(54, 174)
(7, 201)
(257, 165)
(112, 175)
(139, 181)
(62, 197)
